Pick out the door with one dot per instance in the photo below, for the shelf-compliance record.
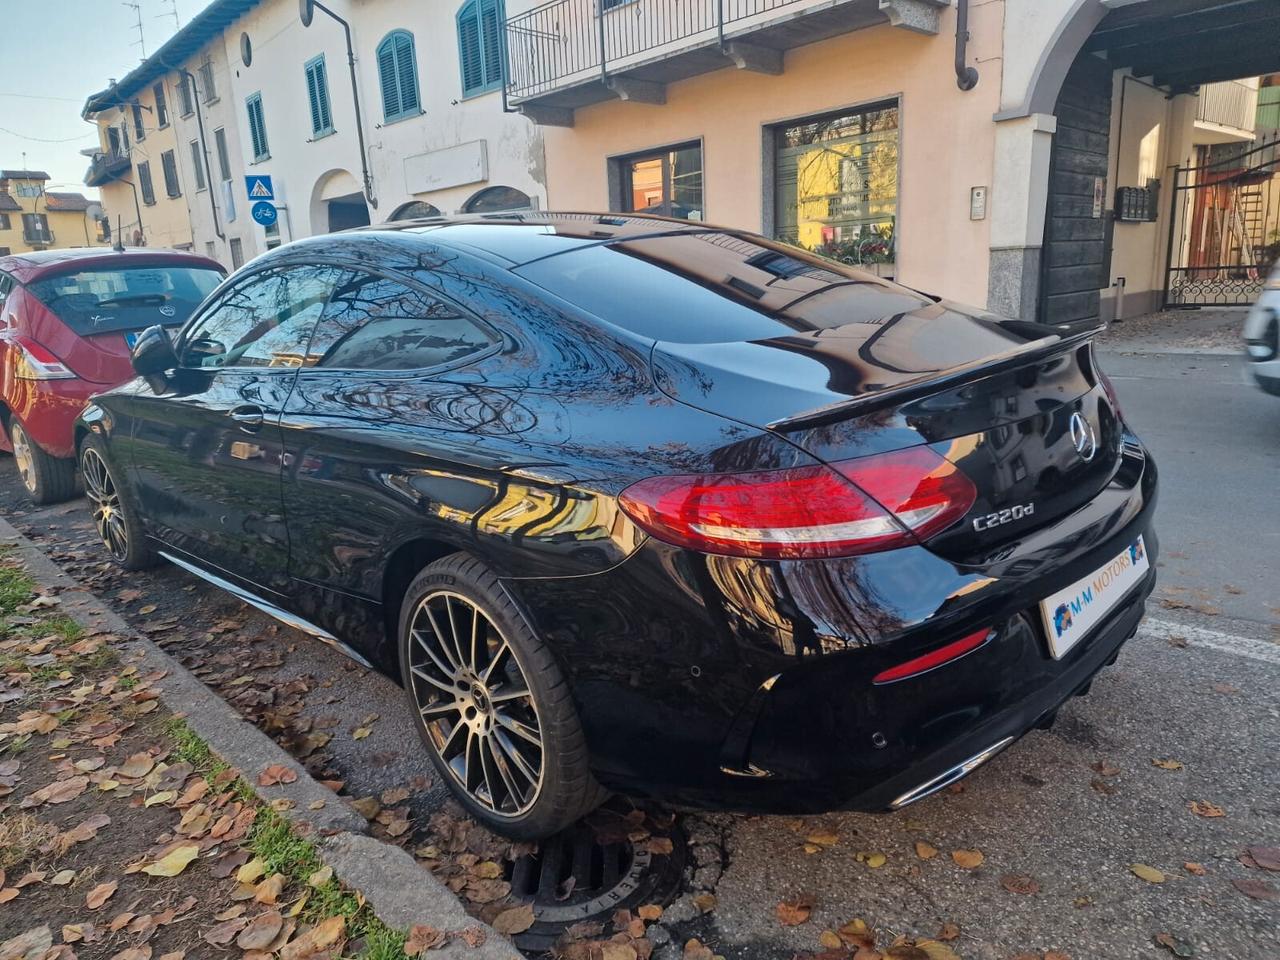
(373, 435)
(207, 453)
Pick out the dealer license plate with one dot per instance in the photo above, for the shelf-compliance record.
(1073, 611)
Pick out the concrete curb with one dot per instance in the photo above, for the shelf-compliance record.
(400, 892)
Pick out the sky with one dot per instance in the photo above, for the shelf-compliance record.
(73, 47)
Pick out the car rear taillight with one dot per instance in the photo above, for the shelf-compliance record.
(935, 658)
(37, 363)
(848, 508)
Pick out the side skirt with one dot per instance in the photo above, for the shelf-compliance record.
(284, 616)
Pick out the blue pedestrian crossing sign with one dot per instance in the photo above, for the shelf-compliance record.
(259, 188)
(264, 213)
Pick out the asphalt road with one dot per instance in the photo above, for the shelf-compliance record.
(1072, 808)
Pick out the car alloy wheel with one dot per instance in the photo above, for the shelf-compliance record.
(102, 494)
(22, 456)
(476, 703)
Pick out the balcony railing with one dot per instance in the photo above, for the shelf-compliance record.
(1229, 104)
(106, 166)
(564, 42)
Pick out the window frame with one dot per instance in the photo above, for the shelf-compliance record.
(161, 105)
(197, 161)
(402, 113)
(621, 191)
(322, 103)
(168, 168)
(249, 104)
(139, 127)
(488, 329)
(474, 9)
(146, 186)
(205, 73)
(186, 95)
(223, 151)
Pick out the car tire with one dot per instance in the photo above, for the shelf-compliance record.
(46, 479)
(484, 748)
(114, 513)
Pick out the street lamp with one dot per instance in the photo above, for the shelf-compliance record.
(306, 11)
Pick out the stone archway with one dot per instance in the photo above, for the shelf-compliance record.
(337, 203)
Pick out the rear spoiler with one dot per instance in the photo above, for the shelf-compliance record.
(932, 383)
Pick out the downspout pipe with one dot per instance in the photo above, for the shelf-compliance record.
(190, 80)
(966, 76)
(305, 8)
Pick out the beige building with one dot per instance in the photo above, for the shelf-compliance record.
(1030, 155)
(136, 167)
(33, 218)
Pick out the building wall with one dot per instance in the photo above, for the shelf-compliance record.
(945, 148)
(491, 147)
(69, 228)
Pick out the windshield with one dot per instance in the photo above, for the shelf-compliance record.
(109, 299)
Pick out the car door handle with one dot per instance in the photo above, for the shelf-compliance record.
(248, 417)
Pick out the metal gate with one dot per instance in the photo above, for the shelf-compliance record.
(1224, 228)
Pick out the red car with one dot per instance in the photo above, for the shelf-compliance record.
(68, 319)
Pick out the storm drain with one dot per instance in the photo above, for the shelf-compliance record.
(584, 874)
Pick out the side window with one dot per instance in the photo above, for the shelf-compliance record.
(374, 323)
(264, 322)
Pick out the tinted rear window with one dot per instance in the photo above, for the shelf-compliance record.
(110, 299)
(717, 288)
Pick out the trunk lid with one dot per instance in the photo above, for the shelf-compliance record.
(1020, 409)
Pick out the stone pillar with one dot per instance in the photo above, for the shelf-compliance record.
(1019, 193)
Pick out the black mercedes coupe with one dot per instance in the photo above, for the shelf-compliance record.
(642, 505)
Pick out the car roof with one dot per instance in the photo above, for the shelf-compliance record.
(28, 267)
(514, 238)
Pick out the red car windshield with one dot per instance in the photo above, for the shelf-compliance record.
(109, 299)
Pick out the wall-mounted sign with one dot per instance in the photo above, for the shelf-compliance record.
(977, 203)
(259, 188)
(264, 213)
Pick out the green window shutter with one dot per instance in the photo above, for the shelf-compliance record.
(257, 127)
(398, 75)
(470, 51)
(491, 25)
(318, 96)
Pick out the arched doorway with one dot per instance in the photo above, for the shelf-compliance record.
(497, 200)
(414, 210)
(337, 203)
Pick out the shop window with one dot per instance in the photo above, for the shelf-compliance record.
(667, 182)
(836, 184)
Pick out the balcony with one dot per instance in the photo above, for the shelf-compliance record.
(1227, 111)
(567, 54)
(106, 166)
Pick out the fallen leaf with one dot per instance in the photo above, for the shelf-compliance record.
(360, 733)
(695, 949)
(137, 766)
(9, 893)
(316, 940)
(1020, 883)
(1105, 768)
(268, 891)
(830, 940)
(60, 791)
(925, 851)
(705, 902)
(935, 950)
(1178, 948)
(367, 807)
(173, 862)
(147, 609)
(251, 872)
(1264, 858)
(276, 773)
(62, 878)
(969, 859)
(422, 938)
(949, 931)
(659, 846)
(516, 920)
(875, 860)
(856, 933)
(823, 838)
(320, 877)
(1203, 808)
(1168, 764)
(100, 894)
(225, 932)
(1195, 869)
(1256, 889)
(1144, 872)
(261, 931)
(164, 796)
(650, 911)
(794, 912)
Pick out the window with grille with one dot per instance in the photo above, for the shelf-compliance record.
(398, 75)
(169, 167)
(257, 127)
(197, 161)
(144, 183)
(318, 96)
(206, 81)
(480, 24)
(162, 105)
(186, 101)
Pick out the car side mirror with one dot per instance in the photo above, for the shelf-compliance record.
(153, 354)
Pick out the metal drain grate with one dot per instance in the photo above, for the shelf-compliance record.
(576, 876)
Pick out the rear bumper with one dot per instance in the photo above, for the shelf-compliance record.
(48, 411)
(744, 684)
